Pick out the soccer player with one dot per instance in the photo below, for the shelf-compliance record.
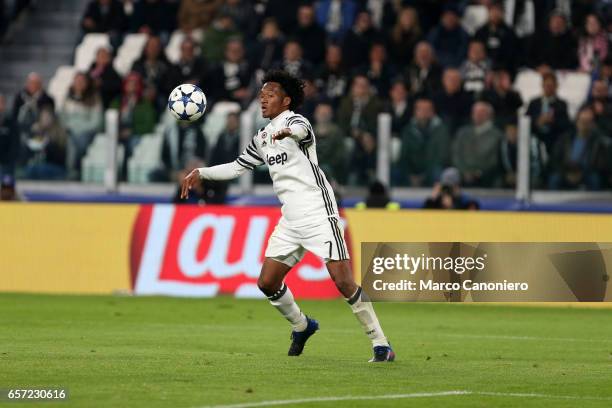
(310, 219)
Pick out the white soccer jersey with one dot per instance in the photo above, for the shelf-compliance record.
(306, 196)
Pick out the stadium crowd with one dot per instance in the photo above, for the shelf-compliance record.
(450, 94)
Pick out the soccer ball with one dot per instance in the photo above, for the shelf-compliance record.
(187, 103)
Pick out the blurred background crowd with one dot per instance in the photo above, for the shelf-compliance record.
(451, 90)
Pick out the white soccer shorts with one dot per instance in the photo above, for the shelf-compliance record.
(326, 240)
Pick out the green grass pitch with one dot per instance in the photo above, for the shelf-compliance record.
(170, 352)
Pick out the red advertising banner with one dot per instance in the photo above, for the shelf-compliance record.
(206, 251)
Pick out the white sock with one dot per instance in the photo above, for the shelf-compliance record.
(364, 312)
(285, 303)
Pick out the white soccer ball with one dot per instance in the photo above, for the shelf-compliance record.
(187, 103)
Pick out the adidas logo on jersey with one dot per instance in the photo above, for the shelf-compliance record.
(280, 158)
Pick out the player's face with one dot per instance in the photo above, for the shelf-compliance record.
(273, 100)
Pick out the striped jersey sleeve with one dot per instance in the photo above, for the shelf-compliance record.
(250, 157)
(301, 129)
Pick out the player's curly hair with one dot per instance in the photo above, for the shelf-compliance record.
(293, 86)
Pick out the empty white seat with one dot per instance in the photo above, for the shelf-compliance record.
(129, 51)
(474, 17)
(85, 52)
(60, 83)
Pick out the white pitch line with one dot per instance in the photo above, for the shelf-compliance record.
(404, 396)
(502, 337)
(335, 399)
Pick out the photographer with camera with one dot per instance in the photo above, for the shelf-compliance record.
(447, 195)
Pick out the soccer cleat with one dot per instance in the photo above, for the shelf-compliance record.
(382, 354)
(299, 338)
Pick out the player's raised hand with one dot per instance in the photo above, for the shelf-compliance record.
(188, 182)
(281, 134)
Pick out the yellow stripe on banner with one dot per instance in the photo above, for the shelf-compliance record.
(65, 248)
(472, 226)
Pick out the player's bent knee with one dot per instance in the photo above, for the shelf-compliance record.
(268, 286)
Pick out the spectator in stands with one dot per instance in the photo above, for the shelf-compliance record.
(508, 156)
(425, 147)
(29, 102)
(9, 140)
(137, 116)
(155, 70)
(452, 103)
(579, 156)
(447, 194)
(310, 35)
(400, 107)
(504, 100)
(555, 47)
(403, 37)
(82, 116)
(378, 197)
(332, 78)
(7, 189)
(331, 147)
(105, 79)
(183, 143)
(548, 113)
(190, 68)
(601, 104)
(243, 14)
(475, 70)
(378, 70)
(501, 43)
(268, 47)
(46, 148)
(424, 73)
(153, 17)
(284, 12)
(336, 16)
(357, 42)
(357, 116)
(476, 148)
(196, 14)
(105, 16)
(449, 39)
(230, 79)
(293, 62)
(225, 151)
(593, 45)
(312, 98)
(217, 37)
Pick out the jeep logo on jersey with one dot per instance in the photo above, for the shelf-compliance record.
(280, 158)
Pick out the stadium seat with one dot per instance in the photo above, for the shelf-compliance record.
(574, 88)
(215, 120)
(60, 84)
(129, 51)
(173, 49)
(474, 17)
(94, 163)
(85, 52)
(145, 158)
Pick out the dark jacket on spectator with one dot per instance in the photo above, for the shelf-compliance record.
(107, 81)
(549, 134)
(557, 51)
(505, 105)
(423, 81)
(502, 45)
(450, 46)
(154, 15)
(9, 141)
(401, 50)
(425, 151)
(312, 39)
(110, 19)
(222, 86)
(453, 109)
(356, 46)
